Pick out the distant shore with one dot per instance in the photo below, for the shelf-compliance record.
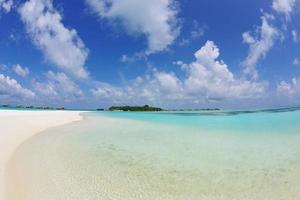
(18, 126)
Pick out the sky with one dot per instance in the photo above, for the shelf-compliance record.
(167, 53)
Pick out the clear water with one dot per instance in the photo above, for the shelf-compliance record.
(169, 155)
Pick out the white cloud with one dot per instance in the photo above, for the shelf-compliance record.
(207, 79)
(58, 87)
(21, 71)
(296, 36)
(60, 45)
(108, 92)
(284, 6)
(296, 61)
(168, 82)
(135, 57)
(180, 63)
(6, 5)
(154, 19)
(260, 45)
(154, 87)
(248, 38)
(11, 88)
(210, 78)
(289, 89)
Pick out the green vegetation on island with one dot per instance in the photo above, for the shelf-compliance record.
(144, 108)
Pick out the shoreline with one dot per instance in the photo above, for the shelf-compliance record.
(106, 158)
(18, 126)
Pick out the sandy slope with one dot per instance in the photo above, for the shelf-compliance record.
(18, 126)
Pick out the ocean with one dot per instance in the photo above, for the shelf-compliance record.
(203, 155)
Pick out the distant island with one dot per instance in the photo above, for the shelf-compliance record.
(144, 108)
(33, 107)
(148, 108)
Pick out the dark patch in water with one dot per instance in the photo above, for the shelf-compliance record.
(232, 113)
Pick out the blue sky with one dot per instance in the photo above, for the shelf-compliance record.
(97, 53)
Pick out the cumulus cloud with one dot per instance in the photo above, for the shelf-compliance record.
(211, 78)
(154, 19)
(207, 79)
(58, 86)
(154, 87)
(260, 44)
(11, 88)
(6, 5)
(106, 91)
(60, 45)
(21, 71)
(289, 89)
(284, 6)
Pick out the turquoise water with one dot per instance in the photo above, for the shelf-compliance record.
(255, 121)
(166, 155)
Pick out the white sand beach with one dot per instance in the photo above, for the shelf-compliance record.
(17, 126)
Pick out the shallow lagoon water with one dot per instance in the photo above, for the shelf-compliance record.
(167, 155)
